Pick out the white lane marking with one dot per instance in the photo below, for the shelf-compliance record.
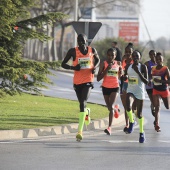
(163, 141)
(121, 141)
(6, 142)
(131, 141)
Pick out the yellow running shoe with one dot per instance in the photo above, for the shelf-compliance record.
(79, 136)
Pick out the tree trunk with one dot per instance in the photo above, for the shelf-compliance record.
(61, 42)
(54, 48)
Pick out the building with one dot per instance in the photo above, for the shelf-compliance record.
(118, 20)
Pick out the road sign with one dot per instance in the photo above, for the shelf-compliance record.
(90, 29)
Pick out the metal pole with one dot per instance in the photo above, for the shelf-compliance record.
(75, 19)
(93, 17)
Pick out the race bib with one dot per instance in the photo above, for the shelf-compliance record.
(112, 72)
(133, 80)
(84, 62)
(155, 83)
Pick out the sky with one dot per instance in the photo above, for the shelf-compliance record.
(156, 15)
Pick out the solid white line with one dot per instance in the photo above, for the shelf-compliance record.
(163, 141)
(121, 141)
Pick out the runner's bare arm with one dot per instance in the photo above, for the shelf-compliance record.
(70, 54)
(143, 74)
(125, 75)
(96, 60)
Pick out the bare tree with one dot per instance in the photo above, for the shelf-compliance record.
(67, 7)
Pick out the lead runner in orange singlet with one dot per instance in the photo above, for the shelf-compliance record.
(85, 61)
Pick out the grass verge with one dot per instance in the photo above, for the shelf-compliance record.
(32, 111)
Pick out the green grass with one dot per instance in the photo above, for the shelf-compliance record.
(32, 111)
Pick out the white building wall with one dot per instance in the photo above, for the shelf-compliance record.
(110, 17)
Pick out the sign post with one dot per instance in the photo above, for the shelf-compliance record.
(90, 29)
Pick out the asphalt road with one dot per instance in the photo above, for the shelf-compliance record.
(97, 151)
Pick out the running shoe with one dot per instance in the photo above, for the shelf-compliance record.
(108, 131)
(157, 128)
(130, 129)
(141, 137)
(79, 136)
(125, 129)
(87, 118)
(116, 111)
(88, 111)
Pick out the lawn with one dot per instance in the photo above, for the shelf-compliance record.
(31, 111)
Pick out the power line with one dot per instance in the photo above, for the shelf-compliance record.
(150, 40)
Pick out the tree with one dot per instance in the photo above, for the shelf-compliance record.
(67, 7)
(19, 75)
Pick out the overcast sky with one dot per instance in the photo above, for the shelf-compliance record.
(156, 14)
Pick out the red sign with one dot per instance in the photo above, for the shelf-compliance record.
(129, 31)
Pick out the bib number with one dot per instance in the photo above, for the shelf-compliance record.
(84, 62)
(133, 80)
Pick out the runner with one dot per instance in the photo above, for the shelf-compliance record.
(149, 86)
(85, 61)
(118, 51)
(161, 77)
(137, 75)
(127, 59)
(110, 71)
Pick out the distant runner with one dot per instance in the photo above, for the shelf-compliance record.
(161, 79)
(149, 86)
(137, 75)
(126, 60)
(110, 71)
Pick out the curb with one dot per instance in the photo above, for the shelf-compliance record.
(56, 130)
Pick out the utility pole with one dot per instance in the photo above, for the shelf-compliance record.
(150, 40)
(93, 13)
(75, 19)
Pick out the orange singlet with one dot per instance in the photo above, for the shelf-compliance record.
(124, 64)
(110, 80)
(86, 63)
(160, 88)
